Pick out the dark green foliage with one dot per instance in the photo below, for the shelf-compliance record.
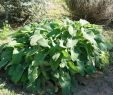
(52, 52)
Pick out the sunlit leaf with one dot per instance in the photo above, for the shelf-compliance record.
(73, 67)
(39, 40)
(33, 73)
(56, 56)
(72, 31)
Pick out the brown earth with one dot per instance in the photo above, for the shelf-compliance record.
(97, 84)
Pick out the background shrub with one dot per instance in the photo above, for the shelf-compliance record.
(96, 11)
(21, 10)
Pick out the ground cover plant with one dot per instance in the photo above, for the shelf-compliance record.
(46, 56)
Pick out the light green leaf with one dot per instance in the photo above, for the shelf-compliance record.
(62, 44)
(71, 43)
(39, 40)
(65, 53)
(65, 83)
(56, 56)
(71, 30)
(73, 68)
(90, 38)
(74, 55)
(83, 22)
(104, 57)
(53, 43)
(14, 43)
(63, 63)
(102, 46)
(33, 73)
(56, 74)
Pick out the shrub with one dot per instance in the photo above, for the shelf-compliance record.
(96, 11)
(52, 52)
(21, 10)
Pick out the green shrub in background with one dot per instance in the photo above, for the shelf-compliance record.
(46, 56)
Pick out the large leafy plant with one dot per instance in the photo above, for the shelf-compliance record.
(52, 52)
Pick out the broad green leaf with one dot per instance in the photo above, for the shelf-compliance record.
(65, 83)
(89, 37)
(6, 57)
(102, 46)
(16, 71)
(81, 66)
(90, 69)
(62, 44)
(73, 68)
(90, 49)
(71, 43)
(1, 48)
(26, 28)
(33, 73)
(65, 54)
(39, 59)
(12, 43)
(39, 40)
(17, 56)
(74, 55)
(99, 38)
(83, 22)
(72, 31)
(3, 62)
(54, 64)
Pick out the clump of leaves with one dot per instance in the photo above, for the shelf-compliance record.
(52, 52)
(4, 32)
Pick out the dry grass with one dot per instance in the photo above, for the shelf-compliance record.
(108, 33)
(56, 9)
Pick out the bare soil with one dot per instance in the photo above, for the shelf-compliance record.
(96, 84)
